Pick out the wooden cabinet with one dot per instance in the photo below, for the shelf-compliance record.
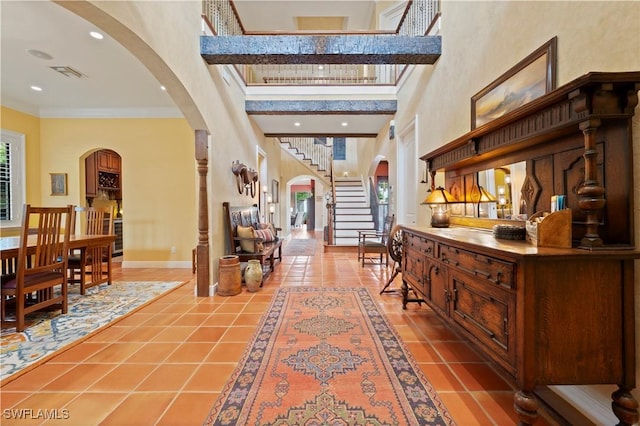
(546, 316)
(108, 161)
(103, 174)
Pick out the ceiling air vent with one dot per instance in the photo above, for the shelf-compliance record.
(68, 71)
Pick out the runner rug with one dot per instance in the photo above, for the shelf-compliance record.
(299, 247)
(49, 331)
(324, 356)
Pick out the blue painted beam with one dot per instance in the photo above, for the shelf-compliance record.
(320, 49)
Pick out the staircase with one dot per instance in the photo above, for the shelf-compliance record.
(316, 157)
(352, 212)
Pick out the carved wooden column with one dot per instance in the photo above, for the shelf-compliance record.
(330, 212)
(202, 250)
(591, 193)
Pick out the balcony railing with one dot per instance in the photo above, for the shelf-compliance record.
(297, 74)
(418, 19)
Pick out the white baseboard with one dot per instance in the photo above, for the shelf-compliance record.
(156, 264)
(212, 289)
(588, 402)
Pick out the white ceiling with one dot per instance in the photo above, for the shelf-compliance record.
(116, 83)
(268, 15)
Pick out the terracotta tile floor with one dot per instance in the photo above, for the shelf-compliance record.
(166, 363)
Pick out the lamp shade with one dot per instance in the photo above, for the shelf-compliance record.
(486, 196)
(440, 196)
(480, 195)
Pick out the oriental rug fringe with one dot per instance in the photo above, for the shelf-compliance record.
(325, 356)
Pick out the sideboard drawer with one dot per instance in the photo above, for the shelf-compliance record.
(421, 244)
(484, 267)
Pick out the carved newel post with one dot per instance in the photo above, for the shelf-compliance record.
(202, 250)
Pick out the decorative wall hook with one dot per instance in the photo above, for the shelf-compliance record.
(246, 178)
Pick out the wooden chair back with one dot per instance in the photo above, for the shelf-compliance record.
(52, 239)
(92, 263)
(42, 268)
(386, 228)
(94, 220)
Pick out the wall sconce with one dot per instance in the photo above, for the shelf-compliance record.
(439, 200)
(272, 210)
(269, 199)
(392, 130)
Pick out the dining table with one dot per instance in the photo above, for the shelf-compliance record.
(9, 247)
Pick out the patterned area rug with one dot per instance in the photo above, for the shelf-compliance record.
(48, 332)
(327, 357)
(299, 247)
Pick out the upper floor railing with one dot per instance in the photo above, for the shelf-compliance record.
(418, 19)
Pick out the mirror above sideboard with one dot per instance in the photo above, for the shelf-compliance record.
(574, 141)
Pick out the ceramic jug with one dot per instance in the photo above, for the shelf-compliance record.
(253, 275)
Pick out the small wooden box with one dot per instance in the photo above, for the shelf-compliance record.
(553, 231)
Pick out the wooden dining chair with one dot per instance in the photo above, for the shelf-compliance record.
(92, 263)
(40, 271)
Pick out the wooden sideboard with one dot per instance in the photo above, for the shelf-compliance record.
(547, 316)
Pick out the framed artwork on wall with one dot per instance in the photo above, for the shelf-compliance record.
(58, 183)
(529, 79)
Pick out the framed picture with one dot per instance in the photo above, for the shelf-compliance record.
(58, 183)
(275, 191)
(531, 78)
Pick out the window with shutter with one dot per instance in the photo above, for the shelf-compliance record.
(12, 181)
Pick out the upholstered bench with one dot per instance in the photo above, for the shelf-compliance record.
(249, 238)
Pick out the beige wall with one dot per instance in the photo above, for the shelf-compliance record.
(482, 40)
(148, 30)
(29, 126)
(475, 54)
(158, 172)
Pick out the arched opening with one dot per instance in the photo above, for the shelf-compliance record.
(100, 183)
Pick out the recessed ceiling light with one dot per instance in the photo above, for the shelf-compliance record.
(96, 35)
(320, 67)
(345, 124)
(40, 54)
(297, 124)
(163, 88)
(36, 88)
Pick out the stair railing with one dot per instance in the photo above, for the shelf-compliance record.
(312, 149)
(331, 210)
